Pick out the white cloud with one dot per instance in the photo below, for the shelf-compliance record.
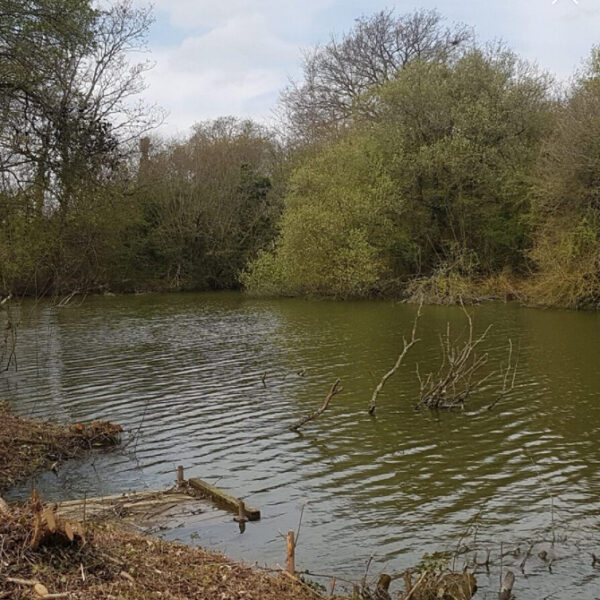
(219, 57)
(233, 56)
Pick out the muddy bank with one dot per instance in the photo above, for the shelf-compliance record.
(29, 445)
(108, 561)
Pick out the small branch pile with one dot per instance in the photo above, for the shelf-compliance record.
(27, 445)
(457, 377)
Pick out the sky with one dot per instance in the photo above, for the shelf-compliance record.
(233, 57)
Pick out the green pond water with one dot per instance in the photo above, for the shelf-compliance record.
(184, 372)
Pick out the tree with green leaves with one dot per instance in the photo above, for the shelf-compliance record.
(566, 199)
(209, 203)
(438, 173)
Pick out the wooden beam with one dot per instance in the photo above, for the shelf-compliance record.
(223, 499)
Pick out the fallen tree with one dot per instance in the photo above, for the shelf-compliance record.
(460, 371)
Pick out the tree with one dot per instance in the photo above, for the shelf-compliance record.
(209, 203)
(65, 94)
(438, 174)
(460, 141)
(333, 227)
(338, 76)
(67, 122)
(566, 199)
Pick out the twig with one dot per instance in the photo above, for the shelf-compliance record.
(506, 388)
(406, 347)
(364, 579)
(336, 388)
(414, 587)
(300, 522)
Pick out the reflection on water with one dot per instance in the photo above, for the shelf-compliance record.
(184, 371)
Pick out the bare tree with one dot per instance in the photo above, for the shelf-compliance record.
(67, 91)
(338, 75)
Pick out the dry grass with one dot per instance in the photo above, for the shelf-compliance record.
(27, 445)
(115, 563)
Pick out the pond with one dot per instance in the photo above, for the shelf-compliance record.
(183, 373)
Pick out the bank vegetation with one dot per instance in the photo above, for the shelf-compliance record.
(411, 160)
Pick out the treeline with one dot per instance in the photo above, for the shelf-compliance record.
(410, 160)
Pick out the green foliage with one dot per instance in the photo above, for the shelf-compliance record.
(439, 170)
(460, 140)
(332, 228)
(209, 205)
(566, 200)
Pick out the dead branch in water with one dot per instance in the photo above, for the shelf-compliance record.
(455, 379)
(336, 388)
(407, 345)
(508, 377)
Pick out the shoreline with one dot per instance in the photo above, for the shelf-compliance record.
(42, 554)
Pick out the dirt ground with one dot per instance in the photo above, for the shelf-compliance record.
(110, 563)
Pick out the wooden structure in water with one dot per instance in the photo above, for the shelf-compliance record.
(224, 500)
(134, 506)
(194, 497)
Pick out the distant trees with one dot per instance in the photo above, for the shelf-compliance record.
(339, 76)
(414, 162)
(566, 199)
(208, 203)
(439, 173)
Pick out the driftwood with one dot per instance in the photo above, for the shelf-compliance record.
(507, 586)
(336, 388)
(223, 499)
(407, 345)
(133, 506)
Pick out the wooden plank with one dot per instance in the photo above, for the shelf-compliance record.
(133, 503)
(222, 498)
(113, 498)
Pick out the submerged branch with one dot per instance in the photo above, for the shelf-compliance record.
(407, 345)
(336, 388)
